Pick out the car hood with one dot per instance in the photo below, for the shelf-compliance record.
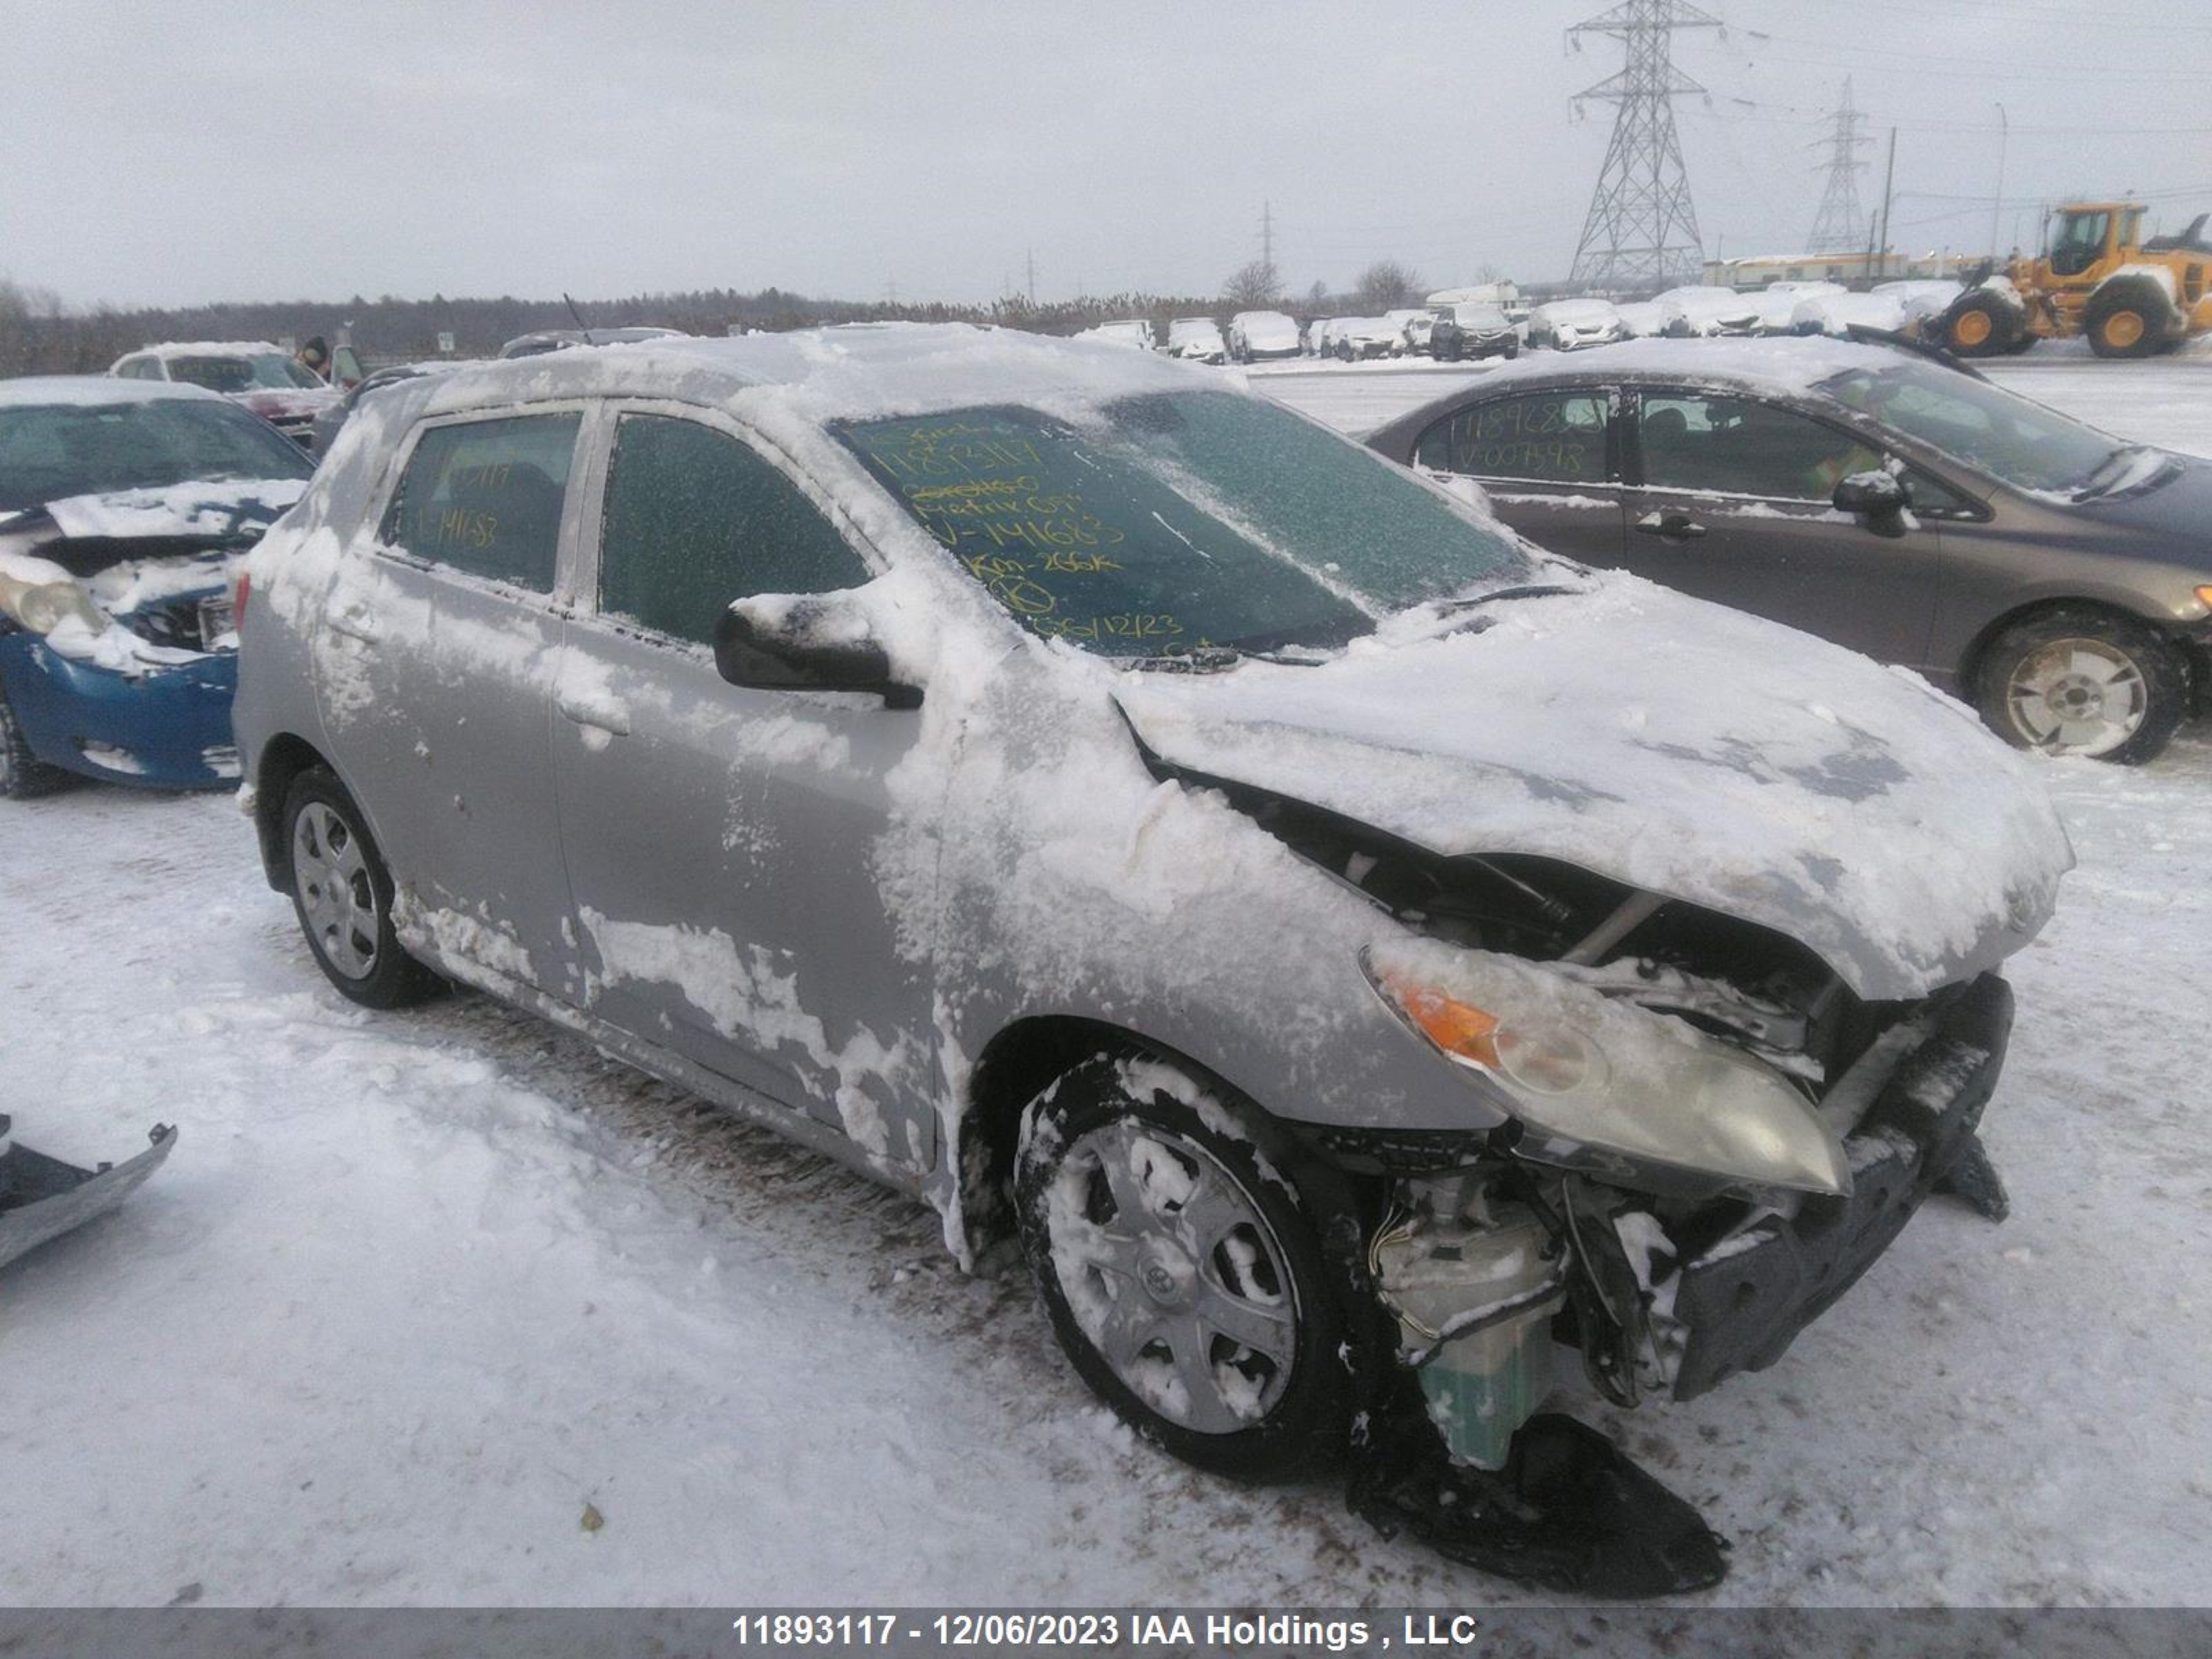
(2173, 500)
(1671, 744)
(216, 511)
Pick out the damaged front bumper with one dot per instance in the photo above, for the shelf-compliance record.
(41, 1198)
(1740, 1304)
(165, 727)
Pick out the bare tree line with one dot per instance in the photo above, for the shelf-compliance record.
(40, 334)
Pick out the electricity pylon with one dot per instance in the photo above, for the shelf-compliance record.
(1641, 230)
(1839, 226)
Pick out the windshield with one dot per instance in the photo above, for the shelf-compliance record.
(1481, 317)
(2014, 440)
(264, 371)
(1178, 519)
(51, 452)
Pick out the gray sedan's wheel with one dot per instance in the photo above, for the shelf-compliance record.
(1183, 1271)
(2086, 683)
(342, 894)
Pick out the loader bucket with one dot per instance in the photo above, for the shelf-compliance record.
(42, 1198)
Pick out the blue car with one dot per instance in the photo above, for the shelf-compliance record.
(125, 509)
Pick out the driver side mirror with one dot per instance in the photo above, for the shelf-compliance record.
(1879, 497)
(806, 643)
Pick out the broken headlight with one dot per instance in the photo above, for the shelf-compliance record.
(1584, 1069)
(43, 606)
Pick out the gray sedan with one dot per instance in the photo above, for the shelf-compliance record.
(1893, 502)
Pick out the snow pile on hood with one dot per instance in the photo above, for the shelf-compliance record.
(1672, 744)
(212, 507)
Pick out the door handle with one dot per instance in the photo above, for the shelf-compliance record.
(1673, 527)
(601, 715)
(355, 621)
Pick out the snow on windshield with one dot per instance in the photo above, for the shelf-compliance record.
(1177, 519)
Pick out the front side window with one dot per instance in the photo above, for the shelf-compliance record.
(1557, 437)
(695, 518)
(1741, 446)
(484, 497)
(1176, 519)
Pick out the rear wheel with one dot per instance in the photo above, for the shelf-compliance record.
(2085, 683)
(1979, 325)
(1183, 1269)
(2126, 319)
(22, 774)
(342, 894)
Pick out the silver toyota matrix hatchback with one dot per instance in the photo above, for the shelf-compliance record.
(1364, 959)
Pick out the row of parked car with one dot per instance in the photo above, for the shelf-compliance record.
(1573, 961)
(1472, 330)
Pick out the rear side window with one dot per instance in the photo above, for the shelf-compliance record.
(695, 518)
(484, 497)
(1554, 437)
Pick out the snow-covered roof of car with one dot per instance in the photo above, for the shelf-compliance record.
(1565, 310)
(168, 348)
(47, 390)
(1793, 361)
(851, 371)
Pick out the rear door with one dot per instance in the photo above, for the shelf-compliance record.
(720, 839)
(1730, 501)
(1547, 459)
(438, 640)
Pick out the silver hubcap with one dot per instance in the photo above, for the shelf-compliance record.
(2077, 697)
(336, 895)
(1174, 1276)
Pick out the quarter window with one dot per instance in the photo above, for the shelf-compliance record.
(484, 497)
(1739, 447)
(694, 519)
(1557, 437)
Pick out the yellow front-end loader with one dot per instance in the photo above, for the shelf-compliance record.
(2096, 276)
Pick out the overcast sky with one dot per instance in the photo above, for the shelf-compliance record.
(182, 152)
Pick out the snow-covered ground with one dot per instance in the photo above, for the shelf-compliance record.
(415, 1289)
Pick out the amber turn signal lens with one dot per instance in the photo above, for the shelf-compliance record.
(1457, 1028)
(2205, 596)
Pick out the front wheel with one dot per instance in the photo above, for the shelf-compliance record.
(1182, 1269)
(1980, 325)
(342, 894)
(2083, 683)
(22, 774)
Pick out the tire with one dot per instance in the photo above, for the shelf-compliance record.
(1270, 1403)
(1512, 350)
(23, 775)
(341, 895)
(1980, 325)
(2127, 319)
(2127, 683)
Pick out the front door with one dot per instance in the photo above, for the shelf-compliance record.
(721, 840)
(439, 637)
(1546, 459)
(1730, 501)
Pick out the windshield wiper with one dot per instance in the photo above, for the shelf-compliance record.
(2116, 470)
(1527, 591)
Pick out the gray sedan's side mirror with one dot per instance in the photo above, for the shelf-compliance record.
(797, 653)
(1872, 495)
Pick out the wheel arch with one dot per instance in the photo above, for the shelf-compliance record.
(1014, 1067)
(281, 759)
(1975, 659)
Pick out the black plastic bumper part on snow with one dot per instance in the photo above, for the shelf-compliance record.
(1744, 1309)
